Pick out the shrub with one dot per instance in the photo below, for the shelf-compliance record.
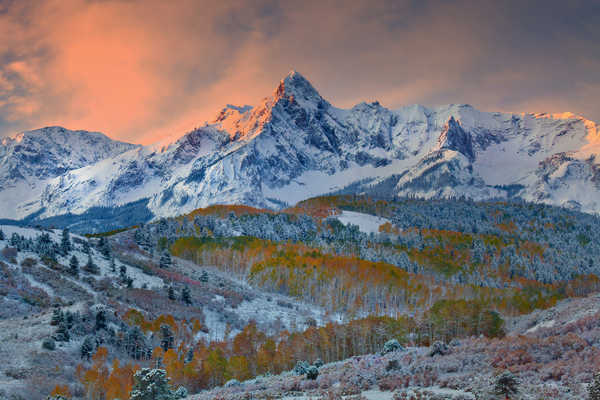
(506, 384)
(312, 373)
(49, 344)
(392, 365)
(301, 368)
(9, 253)
(594, 388)
(391, 346)
(153, 384)
(232, 383)
(440, 348)
(28, 262)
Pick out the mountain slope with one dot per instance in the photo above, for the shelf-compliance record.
(29, 159)
(295, 144)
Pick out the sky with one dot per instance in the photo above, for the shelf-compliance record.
(141, 71)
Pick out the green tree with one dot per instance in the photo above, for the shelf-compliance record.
(594, 388)
(153, 384)
(74, 266)
(506, 384)
(165, 260)
(65, 242)
(186, 296)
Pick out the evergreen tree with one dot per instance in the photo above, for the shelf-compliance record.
(165, 260)
(87, 348)
(171, 293)
(62, 333)
(65, 242)
(57, 317)
(74, 266)
(69, 319)
(104, 247)
(166, 340)
(506, 384)
(204, 277)
(153, 384)
(86, 247)
(594, 388)
(135, 344)
(312, 373)
(1, 234)
(100, 320)
(90, 266)
(113, 265)
(186, 295)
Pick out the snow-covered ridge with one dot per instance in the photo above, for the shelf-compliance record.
(294, 144)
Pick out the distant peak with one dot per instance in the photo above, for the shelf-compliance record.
(294, 84)
(454, 137)
(293, 74)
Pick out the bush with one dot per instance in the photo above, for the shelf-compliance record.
(318, 363)
(594, 388)
(28, 262)
(506, 384)
(391, 346)
(49, 344)
(232, 383)
(392, 365)
(153, 384)
(312, 373)
(301, 368)
(9, 253)
(180, 393)
(440, 348)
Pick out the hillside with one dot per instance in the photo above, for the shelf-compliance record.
(552, 353)
(235, 292)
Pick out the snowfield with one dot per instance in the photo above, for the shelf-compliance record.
(366, 223)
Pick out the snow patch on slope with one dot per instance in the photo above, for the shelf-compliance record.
(366, 222)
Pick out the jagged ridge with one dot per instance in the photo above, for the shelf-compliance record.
(295, 144)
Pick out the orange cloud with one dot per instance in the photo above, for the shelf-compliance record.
(145, 70)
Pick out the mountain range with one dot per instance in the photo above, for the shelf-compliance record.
(293, 145)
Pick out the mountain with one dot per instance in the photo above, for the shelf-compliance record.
(30, 159)
(294, 144)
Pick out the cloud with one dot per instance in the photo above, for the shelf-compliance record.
(143, 70)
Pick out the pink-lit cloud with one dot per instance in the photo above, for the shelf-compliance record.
(145, 70)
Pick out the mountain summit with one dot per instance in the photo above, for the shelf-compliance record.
(294, 144)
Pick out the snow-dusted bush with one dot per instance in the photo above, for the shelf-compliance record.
(49, 344)
(301, 368)
(594, 388)
(312, 372)
(440, 348)
(391, 346)
(180, 393)
(232, 383)
(506, 384)
(153, 384)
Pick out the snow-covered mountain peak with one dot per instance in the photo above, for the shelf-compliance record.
(294, 144)
(454, 137)
(51, 151)
(296, 87)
